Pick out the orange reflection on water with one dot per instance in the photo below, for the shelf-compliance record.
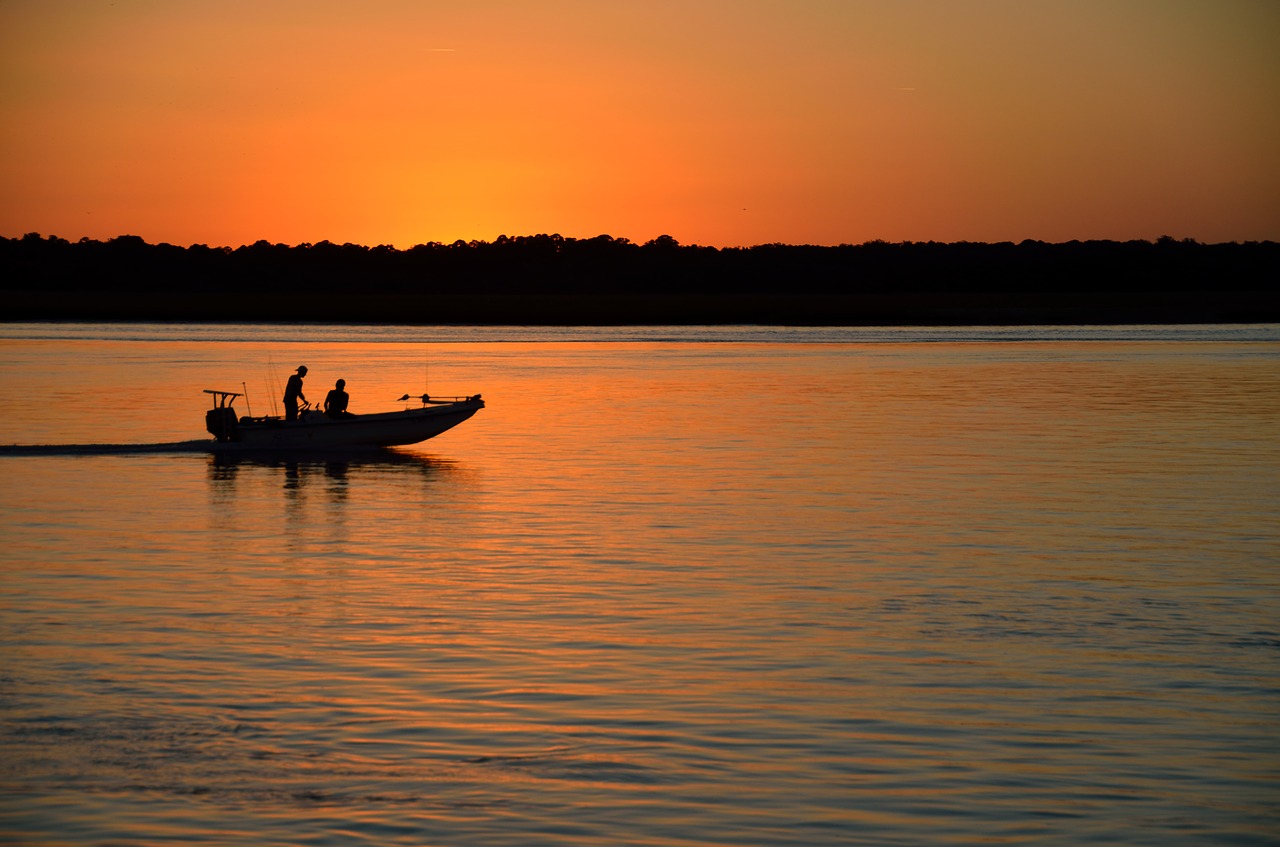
(867, 585)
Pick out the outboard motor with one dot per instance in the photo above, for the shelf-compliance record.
(221, 422)
(221, 419)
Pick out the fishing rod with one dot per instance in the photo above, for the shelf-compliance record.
(273, 380)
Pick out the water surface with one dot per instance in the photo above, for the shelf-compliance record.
(752, 586)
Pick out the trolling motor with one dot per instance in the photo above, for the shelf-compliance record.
(426, 398)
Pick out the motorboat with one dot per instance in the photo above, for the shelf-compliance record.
(314, 430)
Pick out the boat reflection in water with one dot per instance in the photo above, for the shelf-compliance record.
(298, 468)
(327, 494)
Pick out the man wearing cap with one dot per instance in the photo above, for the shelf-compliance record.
(293, 393)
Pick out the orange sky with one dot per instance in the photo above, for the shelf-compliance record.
(719, 122)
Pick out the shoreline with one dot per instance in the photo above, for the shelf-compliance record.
(547, 280)
(481, 309)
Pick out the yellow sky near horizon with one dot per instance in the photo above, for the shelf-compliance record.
(719, 123)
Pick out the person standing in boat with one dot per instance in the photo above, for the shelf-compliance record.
(293, 393)
(335, 403)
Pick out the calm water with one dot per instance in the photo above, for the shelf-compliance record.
(740, 586)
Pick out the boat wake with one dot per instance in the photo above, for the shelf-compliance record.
(227, 454)
(197, 446)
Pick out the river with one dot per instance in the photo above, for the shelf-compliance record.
(672, 586)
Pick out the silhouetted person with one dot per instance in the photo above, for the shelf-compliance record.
(293, 393)
(335, 403)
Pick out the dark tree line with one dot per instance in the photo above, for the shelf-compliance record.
(566, 277)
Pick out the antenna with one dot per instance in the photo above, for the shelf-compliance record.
(247, 407)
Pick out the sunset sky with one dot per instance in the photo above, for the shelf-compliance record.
(724, 123)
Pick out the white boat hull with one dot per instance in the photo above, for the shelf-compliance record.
(315, 431)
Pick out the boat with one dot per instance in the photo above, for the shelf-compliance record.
(314, 430)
